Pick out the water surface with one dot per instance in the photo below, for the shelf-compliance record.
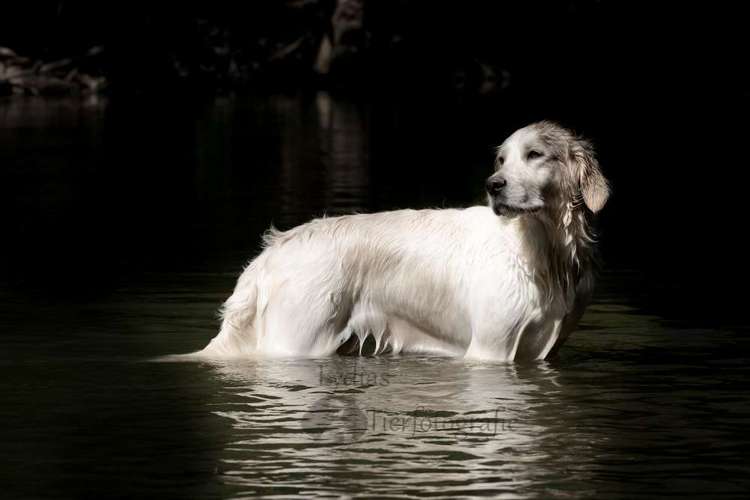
(126, 233)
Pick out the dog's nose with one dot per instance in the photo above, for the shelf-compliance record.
(495, 185)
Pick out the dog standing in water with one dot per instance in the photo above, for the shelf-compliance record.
(506, 281)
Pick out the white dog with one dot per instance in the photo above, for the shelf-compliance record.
(505, 282)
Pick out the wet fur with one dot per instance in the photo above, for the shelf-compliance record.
(457, 282)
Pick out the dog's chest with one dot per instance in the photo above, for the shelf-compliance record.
(519, 304)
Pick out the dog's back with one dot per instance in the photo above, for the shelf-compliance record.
(409, 278)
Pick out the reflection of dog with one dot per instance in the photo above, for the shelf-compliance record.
(508, 281)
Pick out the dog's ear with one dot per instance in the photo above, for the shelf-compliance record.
(593, 185)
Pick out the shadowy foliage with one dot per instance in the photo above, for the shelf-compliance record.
(25, 76)
(226, 45)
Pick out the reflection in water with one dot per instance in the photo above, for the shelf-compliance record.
(343, 143)
(279, 161)
(428, 423)
(324, 156)
(597, 422)
(292, 156)
(634, 407)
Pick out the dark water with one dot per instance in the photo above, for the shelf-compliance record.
(125, 225)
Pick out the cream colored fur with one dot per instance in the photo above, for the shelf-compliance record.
(504, 282)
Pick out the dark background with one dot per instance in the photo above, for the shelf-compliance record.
(662, 90)
(126, 215)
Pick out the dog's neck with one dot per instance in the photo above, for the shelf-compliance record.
(564, 256)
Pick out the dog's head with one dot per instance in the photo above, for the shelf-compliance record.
(544, 166)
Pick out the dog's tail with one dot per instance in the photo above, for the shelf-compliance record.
(239, 327)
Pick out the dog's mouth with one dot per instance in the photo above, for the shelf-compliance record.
(510, 210)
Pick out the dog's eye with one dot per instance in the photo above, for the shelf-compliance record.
(533, 154)
(500, 160)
